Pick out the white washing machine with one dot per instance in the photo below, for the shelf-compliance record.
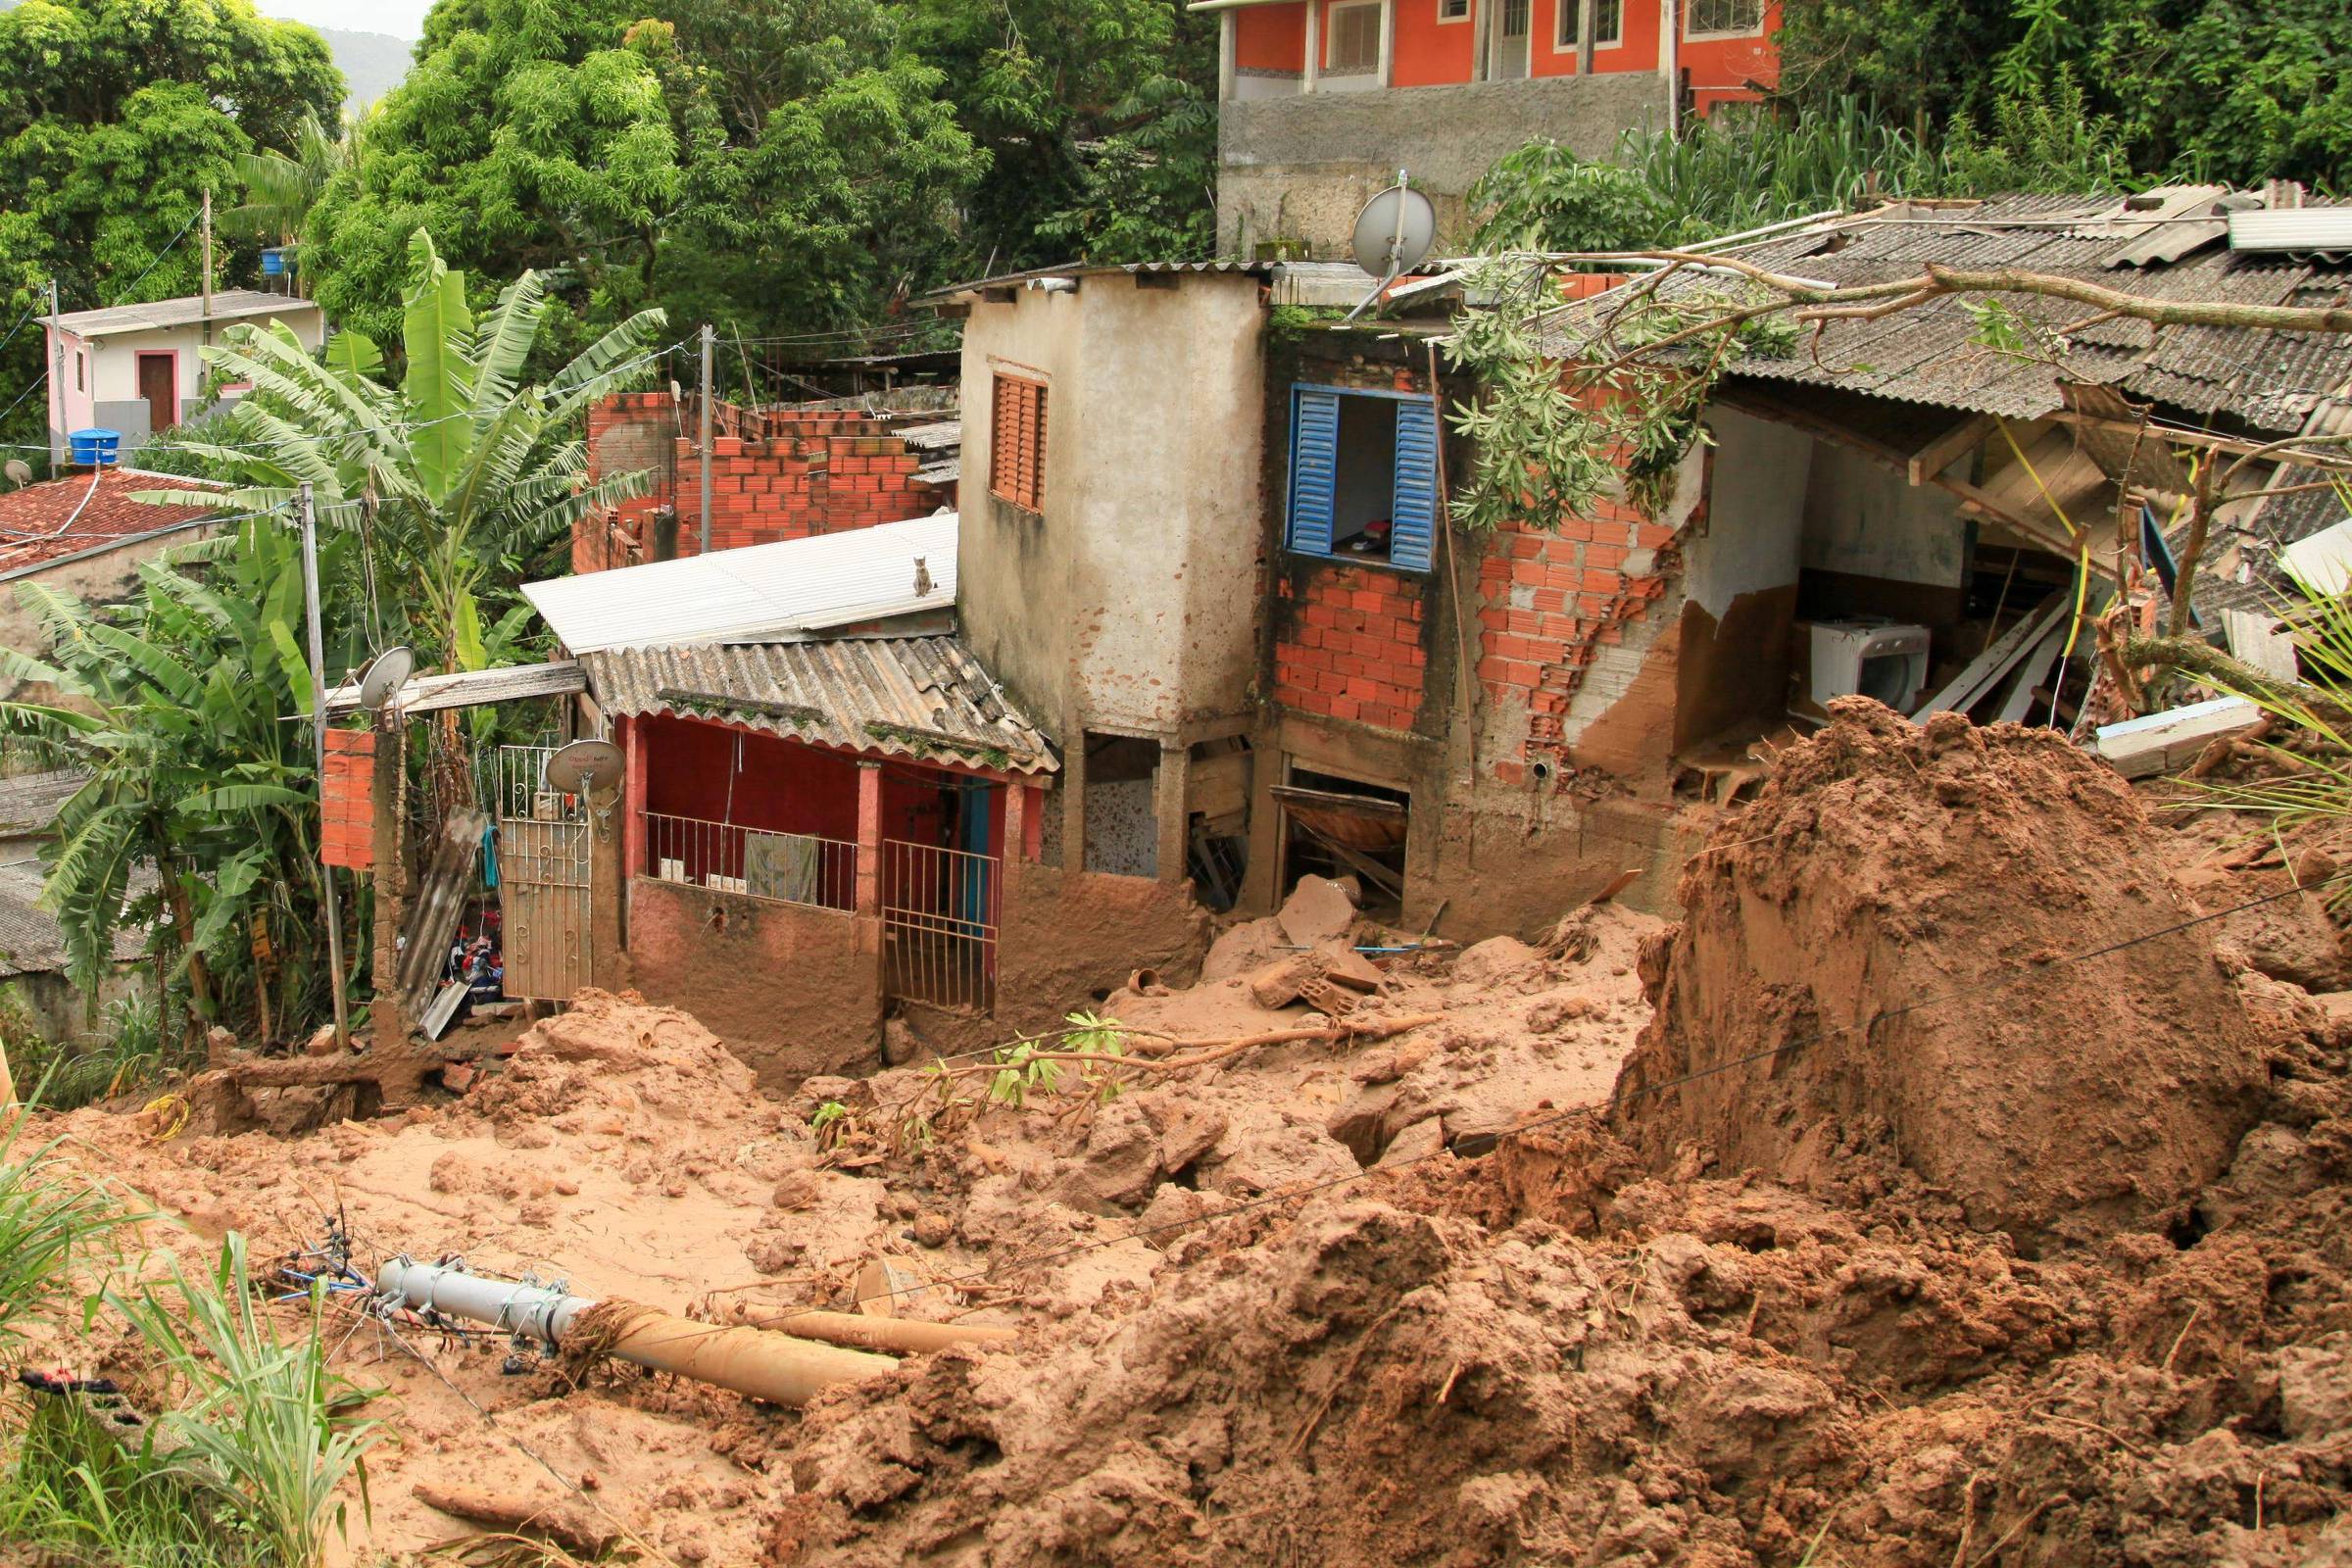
(1881, 659)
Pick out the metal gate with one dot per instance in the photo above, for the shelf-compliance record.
(939, 925)
(543, 876)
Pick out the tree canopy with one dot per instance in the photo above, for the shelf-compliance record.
(2216, 89)
(115, 117)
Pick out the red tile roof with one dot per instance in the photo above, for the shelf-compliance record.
(31, 517)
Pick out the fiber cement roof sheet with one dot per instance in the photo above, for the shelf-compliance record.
(924, 698)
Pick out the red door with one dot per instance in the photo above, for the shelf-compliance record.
(159, 386)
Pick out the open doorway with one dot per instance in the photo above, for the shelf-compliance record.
(1122, 821)
(1342, 827)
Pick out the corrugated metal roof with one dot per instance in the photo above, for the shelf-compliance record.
(760, 594)
(229, 305)
(2272, 380)
(916, 696)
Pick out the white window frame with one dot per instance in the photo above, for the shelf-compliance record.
(1570, 10)
(1445, 21)
(1331, 37)
(1691, 33)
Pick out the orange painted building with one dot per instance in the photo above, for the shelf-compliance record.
(1322, 101)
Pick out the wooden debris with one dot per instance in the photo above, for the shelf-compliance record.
(2163, 743)
(571, 1528)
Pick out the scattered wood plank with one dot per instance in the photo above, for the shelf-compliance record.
(2047, 649)
(2162, 743)
(567, 1526)
(1985, 671)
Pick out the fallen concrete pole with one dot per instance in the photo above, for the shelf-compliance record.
(766, 1367)
(905, 1335)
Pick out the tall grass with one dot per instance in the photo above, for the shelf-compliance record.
(263, 1438)
(78, 1491)
(125, 1052)
(49, 1216)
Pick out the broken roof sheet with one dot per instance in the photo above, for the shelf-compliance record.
(2271, 380)
(31, 942)
(229, 305)
(758, 594)
(913, 696)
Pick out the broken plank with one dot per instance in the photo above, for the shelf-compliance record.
(2161, 743)
(1985, 669)
(2046, 649)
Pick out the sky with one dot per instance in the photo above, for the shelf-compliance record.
(402, 19)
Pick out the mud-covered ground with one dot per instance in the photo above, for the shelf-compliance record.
(2053, 1275)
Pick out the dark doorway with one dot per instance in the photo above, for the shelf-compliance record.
(1342, 827)
(159, 387)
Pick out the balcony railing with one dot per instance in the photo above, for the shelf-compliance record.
(751, 863)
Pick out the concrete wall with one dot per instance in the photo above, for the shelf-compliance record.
(1865, 520)
(1740, 577)
(1300, 167)
(1129, 604)
(791, 990)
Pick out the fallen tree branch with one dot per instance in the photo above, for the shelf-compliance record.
(568, 1527)
(1208, 1051)
(2210, 665)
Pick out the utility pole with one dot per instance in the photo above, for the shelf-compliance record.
(709, 334)
(326, 873)
(205, 320)
(57, 384)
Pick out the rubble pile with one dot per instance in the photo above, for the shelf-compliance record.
(2052, 1272)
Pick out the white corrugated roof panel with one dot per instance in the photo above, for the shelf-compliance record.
(760, 594)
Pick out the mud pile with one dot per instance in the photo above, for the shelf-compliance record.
(1892, 918)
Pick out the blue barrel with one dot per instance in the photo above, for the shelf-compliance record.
(273, 263)
(95, 448)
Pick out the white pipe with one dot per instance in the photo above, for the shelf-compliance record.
(544, 1314)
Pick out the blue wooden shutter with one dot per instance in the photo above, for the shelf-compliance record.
(1413, 516)
(1314, 469)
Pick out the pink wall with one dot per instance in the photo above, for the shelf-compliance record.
(81, 409)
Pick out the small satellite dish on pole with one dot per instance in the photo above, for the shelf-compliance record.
(387, 672)
(1393, 235)
(591, 769)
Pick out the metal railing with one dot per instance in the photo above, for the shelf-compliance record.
(938, 925)
(753, 862)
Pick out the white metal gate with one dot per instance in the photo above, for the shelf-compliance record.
(543, 876)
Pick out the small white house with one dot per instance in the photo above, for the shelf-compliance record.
(135, 367)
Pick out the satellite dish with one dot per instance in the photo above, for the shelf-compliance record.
(18, 472)
(387, 672)
(587, 768)
(1393, 235)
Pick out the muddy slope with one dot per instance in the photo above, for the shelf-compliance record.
(1887, 912)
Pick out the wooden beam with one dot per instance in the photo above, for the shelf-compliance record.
(1941, 453)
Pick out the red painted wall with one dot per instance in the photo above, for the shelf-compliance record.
(1432, 53)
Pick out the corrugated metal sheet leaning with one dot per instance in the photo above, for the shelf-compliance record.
(924, 698)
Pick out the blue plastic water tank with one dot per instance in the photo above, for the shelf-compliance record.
(273, 263)
(95, 448)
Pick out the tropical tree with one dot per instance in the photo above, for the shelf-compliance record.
(281, 188)
(176, 705)
(455, 479)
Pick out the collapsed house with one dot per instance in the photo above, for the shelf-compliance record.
(963, 766)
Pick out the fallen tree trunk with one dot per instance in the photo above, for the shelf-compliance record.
(568, 1527)
(906, 1335)
(2210, 665)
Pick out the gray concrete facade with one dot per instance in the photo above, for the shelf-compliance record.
(1298, 168)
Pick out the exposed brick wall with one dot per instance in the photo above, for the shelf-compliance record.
(1352, 647)
(1555, 607)
(777, 475)
(347, 816)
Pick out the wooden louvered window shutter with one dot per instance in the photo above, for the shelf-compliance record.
(1017, 466)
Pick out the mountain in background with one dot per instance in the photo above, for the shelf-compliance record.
(371, 63)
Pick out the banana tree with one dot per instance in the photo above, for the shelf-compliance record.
(452, 477)
(179, 706)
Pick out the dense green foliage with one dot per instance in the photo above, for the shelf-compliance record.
(115, 117)
(781, 169)
(2216, 89)
(1738, 170)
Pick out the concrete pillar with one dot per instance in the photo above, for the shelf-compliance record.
(1314, 46)
(870, 840)
(1015, 847)
(1261, 889)
(629, 734)
(608, 831)
(1073, 797)
(1032, 823)
(1387, 43)
(1586, 15)
(1167, 811)
(388, 1023)
(1228, 54)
